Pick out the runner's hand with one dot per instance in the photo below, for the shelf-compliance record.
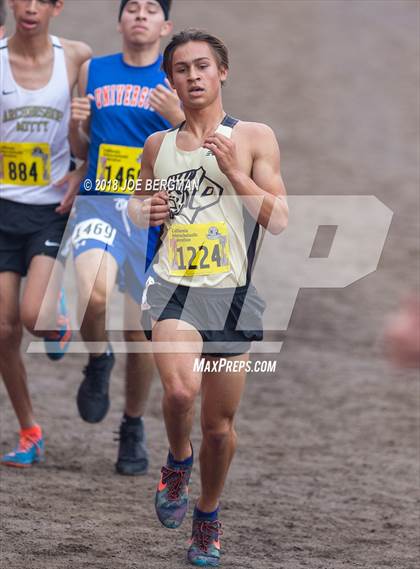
(72, 180)
(165, 101)
(224, 150)
(155, 210)
(81, 108)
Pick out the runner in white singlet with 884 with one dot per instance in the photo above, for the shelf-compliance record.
(39, 72)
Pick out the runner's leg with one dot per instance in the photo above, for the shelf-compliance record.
(96, 275)
(221, 394)
(11, 362)
(181, 383)
(139, 367)
(132, 450)
(39, 309)
(181, 386)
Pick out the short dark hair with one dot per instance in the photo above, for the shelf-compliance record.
(192, 34)
(2, 13)
(164, 4)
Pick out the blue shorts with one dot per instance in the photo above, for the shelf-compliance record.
(102, 222)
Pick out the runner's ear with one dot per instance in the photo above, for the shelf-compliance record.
(223, 73)
(169, 85)
(58, 6)
(167, 28)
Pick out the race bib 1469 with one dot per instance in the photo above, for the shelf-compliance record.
(93, 228)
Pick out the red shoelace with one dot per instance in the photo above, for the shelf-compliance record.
(205, 532)
(175, 479)
(26, 441)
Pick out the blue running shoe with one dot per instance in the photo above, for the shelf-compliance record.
(29, 451)
(204, 550)
(57, 343)
(171, 500)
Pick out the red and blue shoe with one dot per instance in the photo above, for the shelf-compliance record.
(57, 343)
(171, 500)
(30, 450)
(204, 550)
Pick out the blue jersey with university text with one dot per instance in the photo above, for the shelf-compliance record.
(121, 113)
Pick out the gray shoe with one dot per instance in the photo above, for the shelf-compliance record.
(93, 394)
(133, 458)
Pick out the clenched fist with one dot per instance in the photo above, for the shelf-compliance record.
(165, 101)
(156, 209)
(149, 212)
(81, 108)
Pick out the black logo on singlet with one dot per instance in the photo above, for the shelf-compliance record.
(191, 192)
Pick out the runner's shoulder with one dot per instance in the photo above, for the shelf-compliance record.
(100, 63)
(106, 59)
(254, 129)
(259, 138)
(154, 142)
(77, 51)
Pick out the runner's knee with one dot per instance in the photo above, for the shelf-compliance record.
(97, 304)
(180, 397)
(10, 335)
(134, 336)
(29, 318)
(218, 433)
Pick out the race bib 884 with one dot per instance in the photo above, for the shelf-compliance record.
(25, 163)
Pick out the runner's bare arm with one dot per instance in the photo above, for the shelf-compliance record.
(263, 192)
(147, 209)
(80, 116)
(71, 181)
(165, 101)
(76, 54)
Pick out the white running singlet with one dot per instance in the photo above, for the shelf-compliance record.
(210, 239)
(34, 147)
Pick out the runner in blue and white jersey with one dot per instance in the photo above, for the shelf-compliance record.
(123, 99)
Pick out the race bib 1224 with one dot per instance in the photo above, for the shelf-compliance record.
(198, 249)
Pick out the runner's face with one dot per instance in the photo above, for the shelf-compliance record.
(33, 16)
(143, 22)
(196, 74)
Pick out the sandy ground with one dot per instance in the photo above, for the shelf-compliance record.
(327, 471)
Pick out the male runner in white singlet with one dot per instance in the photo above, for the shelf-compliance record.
(39, 72)
(220, 181)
